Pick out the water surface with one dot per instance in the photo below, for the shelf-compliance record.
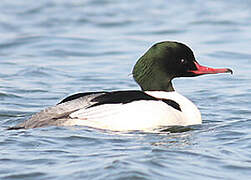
(50, 49)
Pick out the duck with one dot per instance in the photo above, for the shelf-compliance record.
(156, 105)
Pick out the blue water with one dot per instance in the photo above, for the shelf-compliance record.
(52, 48)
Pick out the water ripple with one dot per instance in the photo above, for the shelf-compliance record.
(50, 49)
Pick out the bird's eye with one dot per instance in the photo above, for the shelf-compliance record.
(183, 61)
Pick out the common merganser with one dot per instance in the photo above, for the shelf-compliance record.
(157, 105)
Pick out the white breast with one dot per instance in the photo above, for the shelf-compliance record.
(139, 115)
(189, 110)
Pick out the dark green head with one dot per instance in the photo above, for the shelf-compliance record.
(165, 61)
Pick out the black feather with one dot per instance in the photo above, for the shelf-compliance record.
(117, 97)
(172, 103)
(123, 97)
(76, 96)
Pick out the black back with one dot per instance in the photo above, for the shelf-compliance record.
(76, 96)
(117, 97)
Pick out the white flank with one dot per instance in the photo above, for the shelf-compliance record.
(138, 115)
(189, 110)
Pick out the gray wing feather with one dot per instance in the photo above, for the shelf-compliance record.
(56, 115)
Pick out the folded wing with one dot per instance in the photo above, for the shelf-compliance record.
(58, 114)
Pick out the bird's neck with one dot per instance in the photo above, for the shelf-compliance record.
(156, 84)
(169, 87)
(151, 75)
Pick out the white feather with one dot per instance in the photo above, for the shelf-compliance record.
(190, 111)
(138, 115)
